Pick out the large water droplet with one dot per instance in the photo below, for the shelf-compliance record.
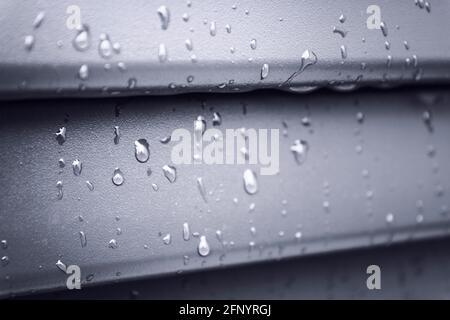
(164, 16)
(142, 152)
(77, 166)
(82, 40)
(105, 47)
(250, 182)
(118, 178)
(170, 173)
(203, 247)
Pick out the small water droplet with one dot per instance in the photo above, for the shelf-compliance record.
(251, 207)
(212, 28)
(165, 140)
(189, 44)
(61, 266)
(61, 163)
(83, 239)
(300, 150)
(250, 182)
(167, 239)
(39, 19)
(155, 187)
(384, 29)
(132, 82)
(77, 166)
(342, 18)
(253, 44)
(390, 218)
(190, 79)
(264, 71)
(90, 185)
(59, 187)
(298, 235)
(203, 247)
(228, 28)
(113, 244)
(164, 16)
(186, 232)
(142, 151)
(4, 244)
(170, 173)
(116, 135)
(217, 119)
(185, 17)
(360, 117)
(29, 42)
(61, 135)
(118, 178)
(201, 188)
(162, 53)
(83, 73)
(344, 52)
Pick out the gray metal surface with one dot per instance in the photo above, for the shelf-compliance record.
(412, 271)
(381, 180)
(283, 31)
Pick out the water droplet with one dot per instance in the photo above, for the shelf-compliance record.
(155, 187)
(61, 163)
(82, 40)
(39, 19)
(142, 151)
(61, 266)
(264, 71)
(83, 73)
(132, 82)
(105, 48)
(344, 52)
(118, 178)
(170, 173)
(162, 53)
(29, 42)
(406, 44)
(300, 150)
(250, 182)
(203, 247)
(360, 117)
(83, 239)
(309, 58)
(298, 235)
(185, 260)
(212, 28)
(390, 218)
(4, 244)
(189, 44)
(90, 185)
(253, 44)
(165, 140)
(342, 18)
(387, 45)
(186, 232)
(121, 65)
(113, 244)
(251, 207)
(59, 187)
(384, 29)
(228, 28)
(164, 16)
(201, 188)
(190, 79)
(61, 135)
(77, 166)
(419, 218)
(217, 119)
(428, 120)
(116, 135)
(185, 17)
(167, 239)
